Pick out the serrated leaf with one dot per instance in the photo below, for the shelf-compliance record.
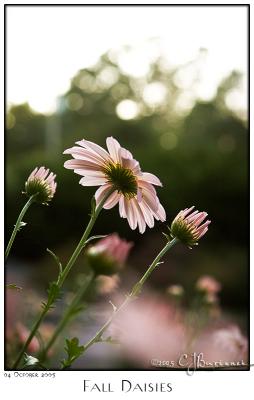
(56, 260)
(73, 350)
(53, 292)
(13, 286)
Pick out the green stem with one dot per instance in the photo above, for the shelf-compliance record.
(64, 275)
(134, 292)
(67, 315)
(17, 225)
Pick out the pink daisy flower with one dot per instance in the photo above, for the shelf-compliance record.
(116, 168)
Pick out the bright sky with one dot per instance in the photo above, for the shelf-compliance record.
(46, 46)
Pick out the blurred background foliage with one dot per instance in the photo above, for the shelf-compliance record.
(198, 149)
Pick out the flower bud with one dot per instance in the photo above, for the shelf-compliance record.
(187, 226)
(41, 184)
(108, 255)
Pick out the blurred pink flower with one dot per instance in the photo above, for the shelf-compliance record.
(226, 344)
(134, 190)
(150, 328)
(208, 284)
(41, 182)
(108, 254)
(187, 226)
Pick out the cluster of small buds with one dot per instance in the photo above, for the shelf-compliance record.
(41, 184)
(188, 226)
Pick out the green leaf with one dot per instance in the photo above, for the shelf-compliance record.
(13, 286)
(53, 295)
(56, 260)
(73, 350)
(53, 292)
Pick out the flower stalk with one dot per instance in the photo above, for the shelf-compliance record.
(69, 312)
(18, 224)
(62, 276)
(133, 294)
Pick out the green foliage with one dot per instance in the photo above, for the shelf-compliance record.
(200, 154)
(73, 350)
(54, 294)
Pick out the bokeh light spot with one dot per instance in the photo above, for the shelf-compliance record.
(154, 93)
(127, 109)
(74, 101)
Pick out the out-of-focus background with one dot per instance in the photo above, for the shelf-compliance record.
(169, 84)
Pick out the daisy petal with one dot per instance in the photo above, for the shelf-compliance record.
(121, 207)
(125, 153)
(101, 192)
(113, 148)
(112, 200)
(83, 154)
(95, 148)
(148, 216)
(151, 178)
(92, 181)
(140, 216)
(130, 214)
(160, 214)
